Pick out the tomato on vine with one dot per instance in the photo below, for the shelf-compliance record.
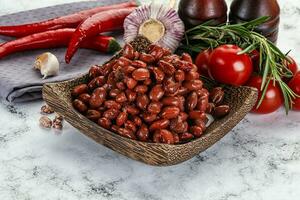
(202, 62)
(273, 99)
(227, 66)
(294, 84)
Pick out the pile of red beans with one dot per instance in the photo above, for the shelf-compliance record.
(153, 96)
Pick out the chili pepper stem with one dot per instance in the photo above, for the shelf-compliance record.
(113, 46)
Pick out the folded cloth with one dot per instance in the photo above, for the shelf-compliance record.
(19, 82)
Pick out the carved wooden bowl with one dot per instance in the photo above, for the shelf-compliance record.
(240, 99)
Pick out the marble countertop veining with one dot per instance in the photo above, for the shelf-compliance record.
(258, 160)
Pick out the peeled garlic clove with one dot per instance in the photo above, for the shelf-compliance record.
(48, 64)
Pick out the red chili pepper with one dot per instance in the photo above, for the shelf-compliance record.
(101, 22)
(57, 38)
(68, 21)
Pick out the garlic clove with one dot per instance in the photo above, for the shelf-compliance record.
(48, 64)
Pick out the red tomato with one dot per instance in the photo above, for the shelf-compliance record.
(273, 98)
(226, 66)
(291, 66)
(202, 61)
(295, 86)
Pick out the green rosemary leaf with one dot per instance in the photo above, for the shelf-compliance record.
(271, 63)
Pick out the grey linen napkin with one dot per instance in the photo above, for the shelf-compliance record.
(19, 82)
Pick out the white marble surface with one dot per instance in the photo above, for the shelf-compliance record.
(257, 160)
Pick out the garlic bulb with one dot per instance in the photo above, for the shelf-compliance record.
(48, 64)
(158, 23)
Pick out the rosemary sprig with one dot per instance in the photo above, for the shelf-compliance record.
(271, 64)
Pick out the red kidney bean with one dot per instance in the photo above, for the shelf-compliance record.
(115, 128)
(196, 114)
(170, 112)
(121, 119)
(192, 101)
(171, 87)
(159, 124)
(136, 55)
(149, 117)
(143, 133)
(139, 64)
(167, 52)
(186, 57)
(122, 62)
(98, 97)
(193, 85)
(181, 103)
(176, 138)
(131, 83)
(200, 123)
(166, 67)
(183, 116)
(154, 107)
(111, 114)
(185, 66)
(137, 120)
(157, 137)
(178, 126)
(114, 93)
(128, 51)
(101, 109)
(141, 89)
(121, 86)
(132, 110)
(221, 111)
(85, 98)
(112, 104)
(148, 81)
(186, 137)
(152, 97)
(217, 95)
(79, 106)
(166, 137)
(94, 72)
(128, 69)
(191, 75)
(129, 125)
(210, 108)
(93, 115)
(156, 93)
(106, 68)
(79, 89)
(126, 133)
(171, 101)
(142, 101)
(147, 58)
(179, 76)
(158, 74)
(157, 52)
(182, 91)
(202, 103)
(196, 131)
(131, 95)
(121, 98)
(104, 122)
(141, 74)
